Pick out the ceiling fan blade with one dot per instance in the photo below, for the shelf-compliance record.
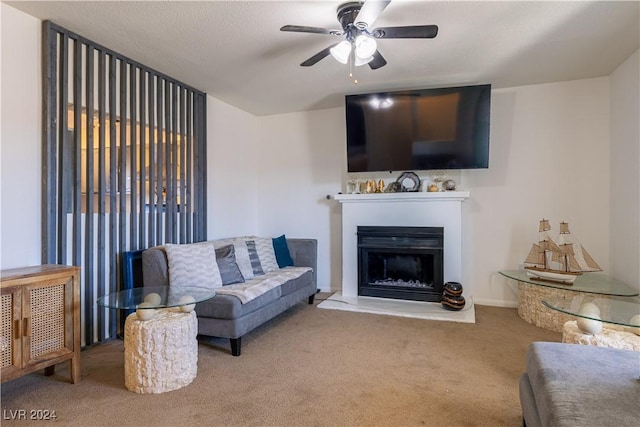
(412, 32)
(377, 61)
(369, 12)
(317, 57)
(314, 30)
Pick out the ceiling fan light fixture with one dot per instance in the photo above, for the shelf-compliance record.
(359, 61)
(341, 51)
(365, 46)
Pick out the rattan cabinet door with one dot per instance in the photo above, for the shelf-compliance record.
(47, 330)
(40, 320)
(10, 330)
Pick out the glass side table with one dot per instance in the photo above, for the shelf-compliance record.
(605, 322)
(165, 297)
(532, 292)
(160, 344)
(594, 283)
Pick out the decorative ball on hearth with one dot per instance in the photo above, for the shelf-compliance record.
(453, 289)
(453, 303)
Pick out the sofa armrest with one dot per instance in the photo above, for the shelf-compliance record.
(305, 254)
(155, 271)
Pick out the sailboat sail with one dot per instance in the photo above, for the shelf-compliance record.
(534, 256)
(585, 262)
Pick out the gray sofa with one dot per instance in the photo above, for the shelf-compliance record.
(579, 385)
(226, 315)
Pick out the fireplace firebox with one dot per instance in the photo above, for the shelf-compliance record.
(401, 262)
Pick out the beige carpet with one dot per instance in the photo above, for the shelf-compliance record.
(311, 367)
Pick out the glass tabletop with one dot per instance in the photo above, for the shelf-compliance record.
(595, 283)
(619, 311)
(156, 297)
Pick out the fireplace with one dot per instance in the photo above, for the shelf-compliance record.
(401, 262)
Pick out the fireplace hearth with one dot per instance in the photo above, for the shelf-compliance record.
(401, 262)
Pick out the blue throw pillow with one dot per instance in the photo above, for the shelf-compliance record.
(282, 252)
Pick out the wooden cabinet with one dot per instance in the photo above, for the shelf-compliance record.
(39, 320)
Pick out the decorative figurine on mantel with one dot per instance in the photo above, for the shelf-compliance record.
(433, 188)
(449, 185)
(409, 181)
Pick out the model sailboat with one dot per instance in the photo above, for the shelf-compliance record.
(558, 261)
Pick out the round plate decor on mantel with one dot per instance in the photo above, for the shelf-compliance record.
(409, 181)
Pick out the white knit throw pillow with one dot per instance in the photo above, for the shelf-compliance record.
(193, 265)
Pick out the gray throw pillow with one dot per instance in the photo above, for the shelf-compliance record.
(229, 270)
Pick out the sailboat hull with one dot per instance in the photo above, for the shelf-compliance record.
(553, 276)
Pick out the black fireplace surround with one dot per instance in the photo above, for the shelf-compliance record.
(401, 262)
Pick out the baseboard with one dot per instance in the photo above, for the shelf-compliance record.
(495, 302)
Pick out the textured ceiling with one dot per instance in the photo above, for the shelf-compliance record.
(234, 51)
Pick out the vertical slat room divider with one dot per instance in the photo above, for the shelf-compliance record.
(124, 164)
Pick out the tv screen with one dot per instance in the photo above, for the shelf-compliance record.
(427, 129)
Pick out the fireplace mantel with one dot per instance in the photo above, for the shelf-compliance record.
(403, 197)
(417, 209)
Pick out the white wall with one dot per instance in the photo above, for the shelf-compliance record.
(232, 172)
(20, 139)
(625, 171)
(270, 176)
(302, 156)
(549, 159)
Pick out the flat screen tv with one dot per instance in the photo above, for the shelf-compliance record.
(427, 129)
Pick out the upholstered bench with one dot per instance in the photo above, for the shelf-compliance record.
(579, 385)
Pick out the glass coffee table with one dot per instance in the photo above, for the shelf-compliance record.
(531, 293)
(607, 322)
(160, 344)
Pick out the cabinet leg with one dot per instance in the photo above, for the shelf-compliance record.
(49, 370)
(74, 367)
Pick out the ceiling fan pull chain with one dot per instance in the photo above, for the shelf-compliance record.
(351, 68)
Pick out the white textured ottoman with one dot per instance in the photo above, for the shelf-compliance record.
(160, 354)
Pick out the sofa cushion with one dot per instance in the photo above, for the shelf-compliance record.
(257, 286)
(193, 265)
(227, 306)
(283, 256)
(230, 307)
(229, 270)
(303, 276)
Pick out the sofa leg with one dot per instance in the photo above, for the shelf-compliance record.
(236, 345)
(312, 298)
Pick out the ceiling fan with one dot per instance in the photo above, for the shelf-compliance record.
(359, 43)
